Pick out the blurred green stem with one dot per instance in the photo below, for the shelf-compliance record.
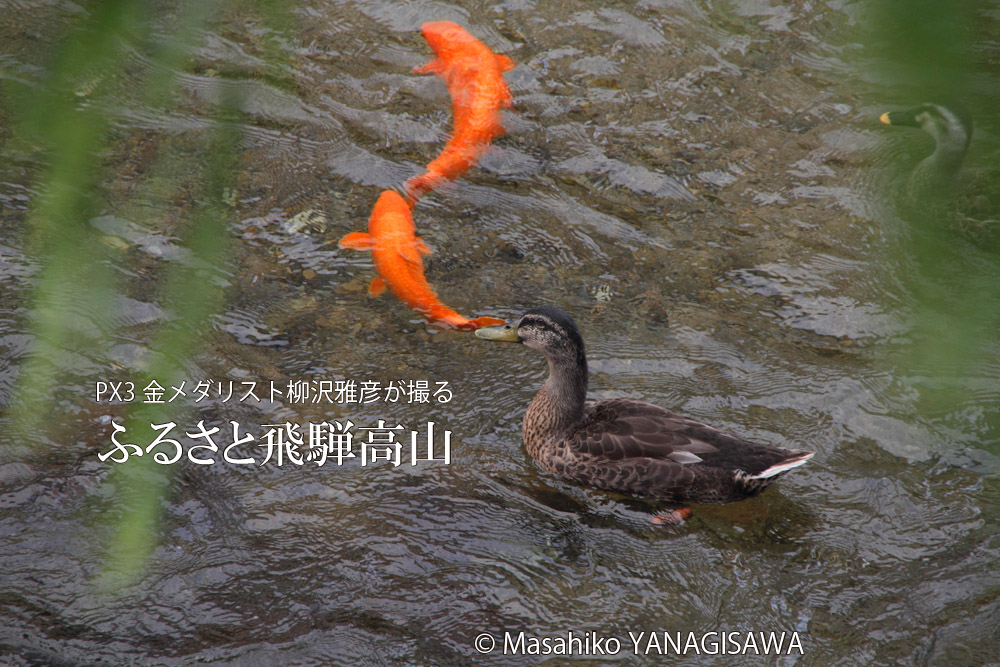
(69, 116)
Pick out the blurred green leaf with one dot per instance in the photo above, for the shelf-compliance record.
(924, 51)
(66, 117)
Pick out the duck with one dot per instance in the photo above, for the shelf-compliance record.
(940, 189)
(627, 445)
(933, 183)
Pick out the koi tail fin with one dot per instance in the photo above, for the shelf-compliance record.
(480, 322)
(420, 185)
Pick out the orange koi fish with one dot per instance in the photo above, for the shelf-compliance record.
(396, 253)
(474, 76)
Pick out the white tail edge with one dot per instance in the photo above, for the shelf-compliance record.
(784, 466)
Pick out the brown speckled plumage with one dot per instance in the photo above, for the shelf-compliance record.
(627, 445)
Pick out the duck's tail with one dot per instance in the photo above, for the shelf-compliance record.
(795, 459)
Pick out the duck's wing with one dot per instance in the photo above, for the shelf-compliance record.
(623, 429)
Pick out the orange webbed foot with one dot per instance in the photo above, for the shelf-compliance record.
(673, 517)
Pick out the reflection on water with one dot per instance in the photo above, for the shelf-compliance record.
(693, 181)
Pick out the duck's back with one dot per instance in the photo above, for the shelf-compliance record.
(642, 449)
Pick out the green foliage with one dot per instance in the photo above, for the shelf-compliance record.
(927, 51)
(64, 119)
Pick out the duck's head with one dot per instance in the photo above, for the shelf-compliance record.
(950, 124)
(546, 329)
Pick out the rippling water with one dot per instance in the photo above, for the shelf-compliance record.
(695, 182)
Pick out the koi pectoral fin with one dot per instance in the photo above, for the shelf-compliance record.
(433, 67)
(505, 63)
(358, 241)
(377, 288)
(422, 247)
(503, 96)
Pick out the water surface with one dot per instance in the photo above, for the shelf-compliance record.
(695, 182)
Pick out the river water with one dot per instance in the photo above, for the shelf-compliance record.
(697, 183)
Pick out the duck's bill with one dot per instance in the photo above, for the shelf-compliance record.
(505, 334)
(905, 118)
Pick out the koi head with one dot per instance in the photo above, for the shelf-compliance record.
(446, 38)
(391, 216)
